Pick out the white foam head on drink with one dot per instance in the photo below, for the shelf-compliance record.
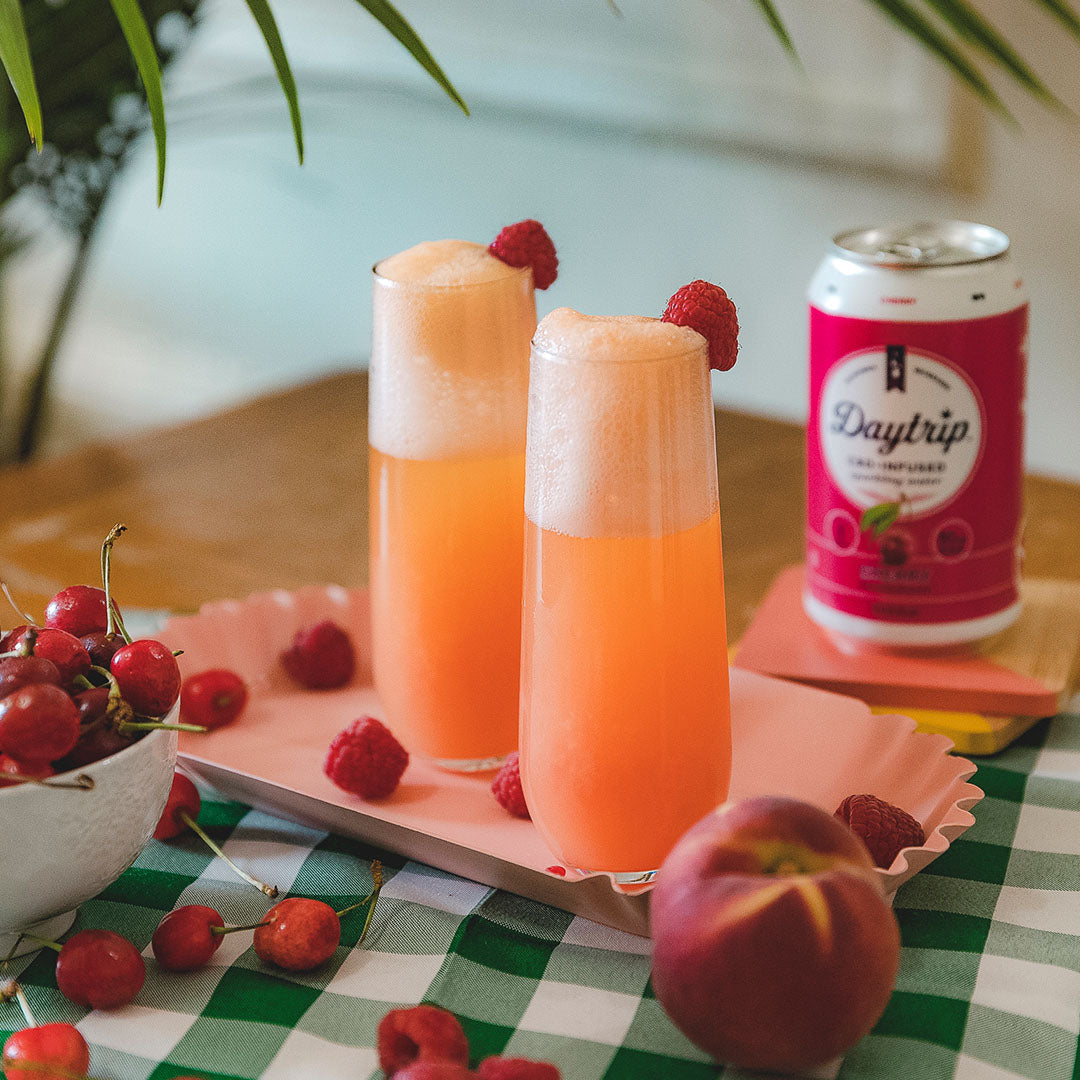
(449, 356)
(621, 439)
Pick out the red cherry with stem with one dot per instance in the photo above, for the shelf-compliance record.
(18, 671)
(212, 698)
(78, 609)
(181, 810)
(185, 940)
(183, 799)
(48, 1052)
(102, 646)
(148, 676)
(300, 934)
(9, 767)
(63, 649)
(100, 969)
(38, 723)
(97, 738)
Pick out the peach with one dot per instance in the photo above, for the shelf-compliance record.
(774, 947)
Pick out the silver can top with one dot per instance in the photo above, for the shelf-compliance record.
(924, 244)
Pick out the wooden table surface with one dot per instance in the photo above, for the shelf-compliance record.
(273, 494)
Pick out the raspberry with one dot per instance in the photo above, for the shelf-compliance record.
(500, 1068)
(705, 307)
(527, 243)
(424, 1033)
(434, 1070)
(366, 760)
(884, 828)
(321, 657)
(507, 787)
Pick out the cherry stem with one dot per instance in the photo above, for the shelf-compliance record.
(43, 942)
(29, 619)
(7, 959)
(197, 829)
(371, 900)
(114, 623)
(83, 683)
(82, 782)
(20, 997)
(126, 726)
(219, 930)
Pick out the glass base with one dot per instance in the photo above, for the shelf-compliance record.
(471, 764)
(626, 877)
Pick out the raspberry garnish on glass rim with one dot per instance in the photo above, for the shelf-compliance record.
(706, 308)
(526, 243)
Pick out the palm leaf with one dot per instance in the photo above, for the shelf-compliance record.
(1061, 10)
(916, 24)
(260, 9)
(392, 20)
(772, 17)
(971, 26)
(142, 49)
(15, 56)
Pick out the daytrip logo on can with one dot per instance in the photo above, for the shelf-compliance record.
(899, 425)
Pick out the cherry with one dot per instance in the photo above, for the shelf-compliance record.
(102, 646)
(38, 723)
(100, 969)
(7, 642)
(181, 810)
(299, 935)
(78, 609)
(63, 649)
(212, 698)
(185, 939)
(894, 549)
(97, 738)
(49, 1052)
(183, 799)
(18, 671)
(10, 767)
(148, 676)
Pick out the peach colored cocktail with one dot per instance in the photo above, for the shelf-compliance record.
(449, 378)
(625, 711)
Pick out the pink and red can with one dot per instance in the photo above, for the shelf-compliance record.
(918, 350)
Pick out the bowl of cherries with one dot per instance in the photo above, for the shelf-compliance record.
(87, 754)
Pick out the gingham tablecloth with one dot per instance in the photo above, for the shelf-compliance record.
(989, 984)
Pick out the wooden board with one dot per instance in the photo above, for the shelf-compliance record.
(1028, 670)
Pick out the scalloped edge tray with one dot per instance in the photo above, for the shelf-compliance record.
(789, 739)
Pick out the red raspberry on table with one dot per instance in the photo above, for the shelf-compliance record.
(321, 657)
(884, 828)
(526, 243)
(424, 1033)
(434, 1070)
(503, 1068)
(706, 308)
(507, 787)
(366, 760)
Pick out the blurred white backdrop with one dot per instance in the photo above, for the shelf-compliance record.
(670, 143)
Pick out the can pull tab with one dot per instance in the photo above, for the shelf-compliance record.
(910, 251)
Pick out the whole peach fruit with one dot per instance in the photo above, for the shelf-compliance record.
(774, 946)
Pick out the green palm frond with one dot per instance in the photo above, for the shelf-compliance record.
(772, 17)
(264, 18)
(15, 56)
(1061, 10)
(133, 24)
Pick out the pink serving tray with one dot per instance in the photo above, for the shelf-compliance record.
(788, 739)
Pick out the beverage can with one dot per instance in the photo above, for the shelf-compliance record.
(918, 353)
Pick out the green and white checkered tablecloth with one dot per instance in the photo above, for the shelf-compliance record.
(989, 984)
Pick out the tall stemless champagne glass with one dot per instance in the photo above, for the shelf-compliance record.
(625, 737)
(448, 393)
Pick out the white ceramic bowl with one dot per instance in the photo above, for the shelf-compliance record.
(59, 847)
